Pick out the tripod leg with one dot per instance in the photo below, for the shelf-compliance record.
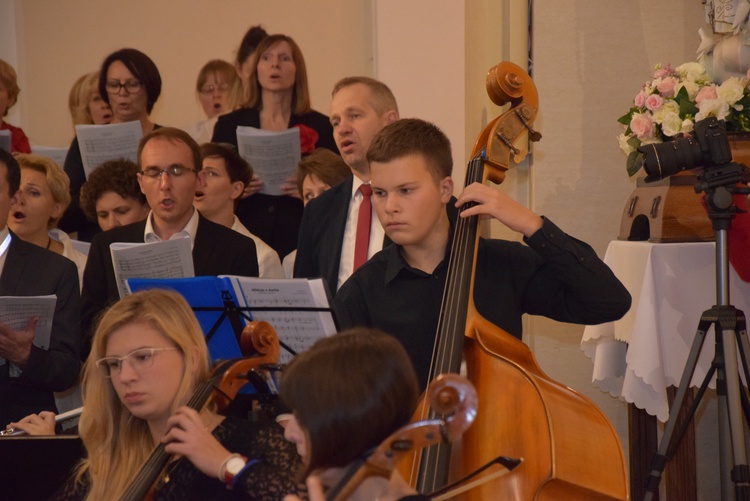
(669, 439)
(740, 474)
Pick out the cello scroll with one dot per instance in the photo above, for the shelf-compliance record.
(450, 395)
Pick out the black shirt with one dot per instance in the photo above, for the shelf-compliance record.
(555, 276)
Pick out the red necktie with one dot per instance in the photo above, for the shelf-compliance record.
(363, 227)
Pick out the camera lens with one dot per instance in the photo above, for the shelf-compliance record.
(707, 147)
(665, 159)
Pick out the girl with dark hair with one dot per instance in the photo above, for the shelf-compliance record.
(348, 393)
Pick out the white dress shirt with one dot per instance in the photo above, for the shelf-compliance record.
(377, 234)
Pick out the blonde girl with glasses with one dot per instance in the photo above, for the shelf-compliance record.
(147, 359)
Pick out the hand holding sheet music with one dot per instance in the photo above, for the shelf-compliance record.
(16, 311)
(273, 155)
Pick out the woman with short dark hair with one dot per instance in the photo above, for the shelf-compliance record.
(130, 83)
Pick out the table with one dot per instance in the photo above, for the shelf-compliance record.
(641, 357)
(638, 357)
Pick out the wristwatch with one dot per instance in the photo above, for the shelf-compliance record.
(233, 467)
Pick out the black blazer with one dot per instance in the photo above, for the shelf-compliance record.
(32, 271)
(321, 235)
(217, 250)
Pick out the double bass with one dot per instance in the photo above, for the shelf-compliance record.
(569, 448)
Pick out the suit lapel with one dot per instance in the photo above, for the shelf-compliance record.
(15, 262)
(201, 247)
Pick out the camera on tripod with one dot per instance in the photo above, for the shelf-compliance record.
(707, 147)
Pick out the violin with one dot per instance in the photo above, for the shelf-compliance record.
(451, 396)
(569, 448)
(260, 345)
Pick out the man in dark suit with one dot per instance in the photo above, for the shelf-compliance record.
(360, 107)
(29, 374)
(169, 160)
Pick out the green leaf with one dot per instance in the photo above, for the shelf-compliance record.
(627, 117)
(634, 142)
(634, 163)
(687, 107)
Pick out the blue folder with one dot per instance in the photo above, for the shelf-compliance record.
(208, 296)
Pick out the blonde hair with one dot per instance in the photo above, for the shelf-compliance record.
(226, 70)
(301, 93)
(9, 79)
(80, 94)
(117, 442)
(57, 179)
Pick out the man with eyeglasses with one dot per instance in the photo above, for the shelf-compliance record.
(169, 160)
(29, 374)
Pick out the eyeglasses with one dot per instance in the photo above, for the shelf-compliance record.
(209, 89)
(172, 171)
(131, 86)
(139, 360)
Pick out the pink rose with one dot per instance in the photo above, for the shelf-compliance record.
(707, 92)
(642, 126)
(663, 72)
(654, 102)
(640, 99)
(666, 86)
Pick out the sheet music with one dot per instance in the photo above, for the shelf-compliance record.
(297, 329)
(165, 259)
(16, 311)
(5, 140)
(56, 154)
(273, 155)
(100, 143)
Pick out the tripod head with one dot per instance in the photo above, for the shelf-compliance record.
(719, 183)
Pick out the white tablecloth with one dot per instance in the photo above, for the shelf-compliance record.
(639, 356)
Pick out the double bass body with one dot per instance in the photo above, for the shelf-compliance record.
(569, 448)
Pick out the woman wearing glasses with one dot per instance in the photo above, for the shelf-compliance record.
(148, 357)
(277, 99)
(130, 83)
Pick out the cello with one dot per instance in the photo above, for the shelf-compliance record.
(569, 448)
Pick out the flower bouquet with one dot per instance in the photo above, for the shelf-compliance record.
(668, 106)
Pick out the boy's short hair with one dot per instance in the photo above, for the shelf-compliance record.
(412, 136)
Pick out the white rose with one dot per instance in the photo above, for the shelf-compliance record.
(731, 90)
(712, 108)
(687, 126)
(691, 87)
(667, 109)
(671, 124)
(692, 71)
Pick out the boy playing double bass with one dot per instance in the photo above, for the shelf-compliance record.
(399, 290)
